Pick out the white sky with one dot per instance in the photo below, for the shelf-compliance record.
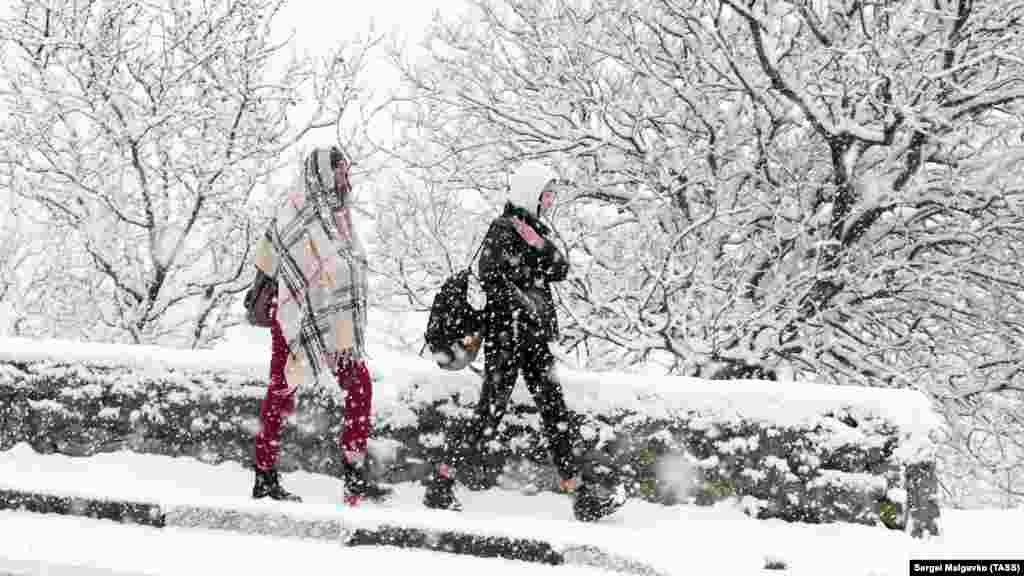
(319, 26)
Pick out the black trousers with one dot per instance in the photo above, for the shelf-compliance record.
(512, 347)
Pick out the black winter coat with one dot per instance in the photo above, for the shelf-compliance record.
(516, 276)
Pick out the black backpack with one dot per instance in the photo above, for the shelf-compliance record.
(455, 329)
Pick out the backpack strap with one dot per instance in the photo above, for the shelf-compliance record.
(480, 247)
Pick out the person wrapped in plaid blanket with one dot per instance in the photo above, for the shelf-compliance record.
(319, 327)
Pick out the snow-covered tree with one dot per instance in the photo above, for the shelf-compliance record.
(16, 252)
(829, 189)
(140, 131)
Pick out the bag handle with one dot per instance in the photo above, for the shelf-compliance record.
(480, 247)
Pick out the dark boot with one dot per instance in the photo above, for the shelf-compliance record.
(594, 501)
(440, 493)
(359, 486)
(268, 483)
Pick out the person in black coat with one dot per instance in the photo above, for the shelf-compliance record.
(518, 263)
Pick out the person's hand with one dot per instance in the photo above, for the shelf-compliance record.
(528, 233)
(472, 342)
(342, 178)
(344, 359)
(339, 359)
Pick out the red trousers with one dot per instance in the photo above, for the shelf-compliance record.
(354, 379)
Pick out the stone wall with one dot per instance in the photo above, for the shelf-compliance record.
(844, 465)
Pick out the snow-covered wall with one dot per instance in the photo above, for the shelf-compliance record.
(788, 450)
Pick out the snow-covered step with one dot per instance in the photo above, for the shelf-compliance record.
(106, 509)
(182, 493)
(43, 568)
(347, 528)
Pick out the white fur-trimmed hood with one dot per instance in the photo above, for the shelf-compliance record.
(526, 184)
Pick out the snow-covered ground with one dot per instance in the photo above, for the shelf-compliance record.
(675, 540)
(48, 545)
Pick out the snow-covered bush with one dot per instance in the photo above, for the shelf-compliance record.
(794, 451)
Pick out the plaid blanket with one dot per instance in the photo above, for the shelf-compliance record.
(320, 265)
